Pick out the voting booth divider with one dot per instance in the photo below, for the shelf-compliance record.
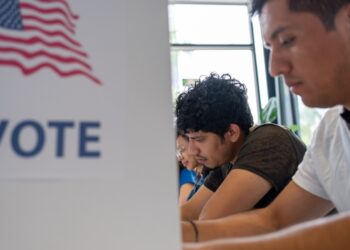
(86, 134)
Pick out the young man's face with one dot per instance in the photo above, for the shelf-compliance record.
(210, 149)
(314, 62)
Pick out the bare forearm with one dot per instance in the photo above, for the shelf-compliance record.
(188, 212)
(191, 209)
(284, 211)
(324, 234)
(244, 224)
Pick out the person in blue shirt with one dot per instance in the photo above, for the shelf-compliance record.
(190, 171)
(187, 180)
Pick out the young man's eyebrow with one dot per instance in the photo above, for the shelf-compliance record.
(194, 136)
(274, 34)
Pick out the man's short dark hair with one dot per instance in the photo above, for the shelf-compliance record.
(325, 10)
(212, 104)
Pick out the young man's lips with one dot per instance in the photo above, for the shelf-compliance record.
(293, 85)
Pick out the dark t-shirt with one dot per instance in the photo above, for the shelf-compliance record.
(270, 151)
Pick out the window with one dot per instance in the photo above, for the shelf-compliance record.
(309, 119)
(220, 36)
(213, 37)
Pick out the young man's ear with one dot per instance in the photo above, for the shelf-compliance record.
(346, 9)
(342, 22)
(234, 132)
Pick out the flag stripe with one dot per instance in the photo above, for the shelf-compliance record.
(29, 71)
(32, 55)
(49, 22)
(57, 11)
(52, 34)
(36, 40)
(64, 3)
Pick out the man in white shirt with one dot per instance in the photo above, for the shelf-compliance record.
(309, 43)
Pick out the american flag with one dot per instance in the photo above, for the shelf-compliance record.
(40, 34)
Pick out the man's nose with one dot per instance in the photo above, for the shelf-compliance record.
(192, 148)
(279, 64)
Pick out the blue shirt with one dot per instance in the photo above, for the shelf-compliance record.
(187, 176)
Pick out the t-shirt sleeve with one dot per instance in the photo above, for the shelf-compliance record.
(306, 176)
(216, 177)
(273, 153)
(187, 176)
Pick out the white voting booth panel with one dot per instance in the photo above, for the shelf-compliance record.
(86, 136)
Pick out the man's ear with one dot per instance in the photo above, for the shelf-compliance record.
(234, 132)
(346, 9)
(342, 22)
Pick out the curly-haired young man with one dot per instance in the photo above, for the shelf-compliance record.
(309, 41)
(255, 162)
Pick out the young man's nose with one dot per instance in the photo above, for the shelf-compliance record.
(192, 149)
(278, 64)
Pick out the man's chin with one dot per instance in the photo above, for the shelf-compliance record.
(316, 103)
(210, 166)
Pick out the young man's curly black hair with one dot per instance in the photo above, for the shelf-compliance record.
(212, 104)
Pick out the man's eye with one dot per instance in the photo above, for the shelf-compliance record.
(287, 42)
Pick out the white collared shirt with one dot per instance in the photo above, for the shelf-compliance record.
(325, 169)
